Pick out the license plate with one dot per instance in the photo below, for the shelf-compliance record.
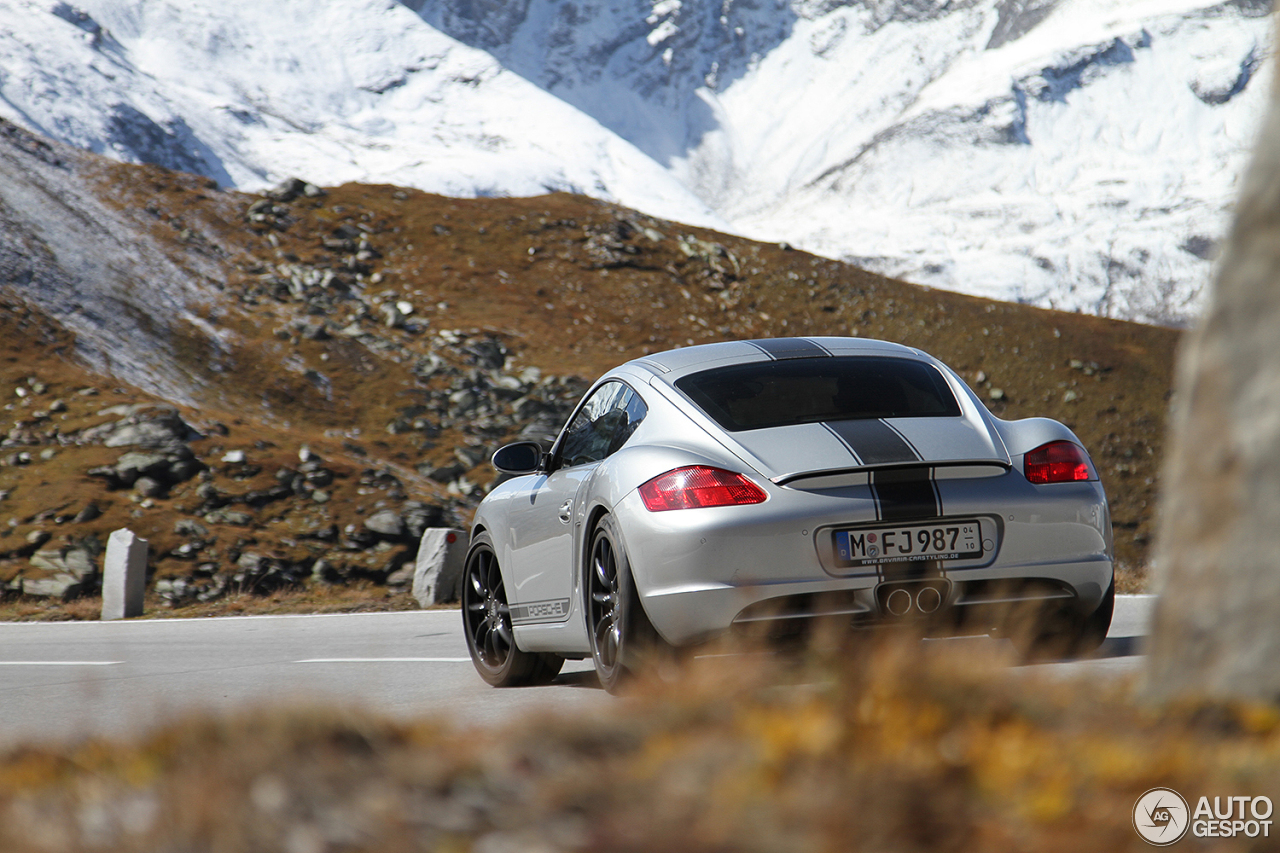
(955, 540)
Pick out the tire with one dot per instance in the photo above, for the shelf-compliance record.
(622, 638)
(486, 621)
(1067, 634)
(1098, 623)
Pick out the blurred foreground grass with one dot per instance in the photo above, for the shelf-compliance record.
(890, 747)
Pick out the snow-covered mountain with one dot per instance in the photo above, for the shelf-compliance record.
(1079, 154)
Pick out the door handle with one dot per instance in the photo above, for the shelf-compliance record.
(566, 512)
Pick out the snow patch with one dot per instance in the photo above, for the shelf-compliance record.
(1071, 153)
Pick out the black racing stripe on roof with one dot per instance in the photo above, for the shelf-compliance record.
(874, 442)
(905, 440)
(785, 348)
(903, 494)
(845, 442)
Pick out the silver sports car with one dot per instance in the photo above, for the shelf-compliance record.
(765, 484)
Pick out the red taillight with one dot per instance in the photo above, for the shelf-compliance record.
(1057, 462)
(699, 486)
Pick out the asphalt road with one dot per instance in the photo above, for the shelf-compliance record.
(70, 679)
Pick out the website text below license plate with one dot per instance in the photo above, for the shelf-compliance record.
(909, 543)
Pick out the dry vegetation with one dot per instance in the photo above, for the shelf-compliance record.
(893, 747)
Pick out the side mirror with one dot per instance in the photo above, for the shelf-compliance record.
(522, 457)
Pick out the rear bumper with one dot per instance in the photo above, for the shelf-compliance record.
(702, 572)
(979, 599)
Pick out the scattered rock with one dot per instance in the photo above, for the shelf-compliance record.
(315, 475)
(324, 534)
(314, 329)
(259, 498)
(163, 469)
(325, 571)
(401, 578)
(190, 527)
(229, 516)
(419, 516)
(75, 561)
(175, 591)
(386, 523)
(149, 487)
(211, 496)
(145, 425)
(290, 188)
(63, 587)
(131, 466)
(445, 473)
(391, 317)
(90, 512)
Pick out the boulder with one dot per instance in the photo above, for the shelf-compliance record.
(145, 426)
(419, 516)
(386, 523)
(290, 188)
(135, 464)
(161, 468)
(437, 576)
(63, 587)
(229, 516)
(90, 512)
(190, 527)
(149, 487)
(77, 562)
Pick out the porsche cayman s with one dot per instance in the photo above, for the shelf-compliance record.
(769, 483)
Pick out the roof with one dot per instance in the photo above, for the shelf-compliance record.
(766, 349)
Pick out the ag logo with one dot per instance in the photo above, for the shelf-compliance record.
(1161, 816)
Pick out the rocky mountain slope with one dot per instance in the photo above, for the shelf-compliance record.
(1077, 154)
(284, 389)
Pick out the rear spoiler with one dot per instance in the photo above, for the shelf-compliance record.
(973, 469)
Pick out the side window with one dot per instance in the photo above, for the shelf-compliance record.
(634, 410)
(603, 424)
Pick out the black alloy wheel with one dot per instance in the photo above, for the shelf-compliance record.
(486, 619)
(621, 634)
(606, 625)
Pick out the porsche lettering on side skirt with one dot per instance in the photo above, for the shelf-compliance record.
(540, 611)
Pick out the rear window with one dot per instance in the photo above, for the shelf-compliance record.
(806, 390)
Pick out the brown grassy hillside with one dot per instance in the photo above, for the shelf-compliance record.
(399, 337)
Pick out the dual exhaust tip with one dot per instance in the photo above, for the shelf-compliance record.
(924, 599)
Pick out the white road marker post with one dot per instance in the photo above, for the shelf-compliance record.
(124, 575)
